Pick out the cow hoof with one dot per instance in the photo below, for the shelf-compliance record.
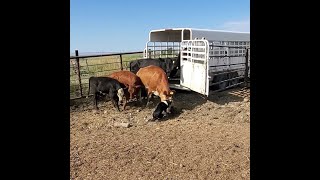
(95, 111)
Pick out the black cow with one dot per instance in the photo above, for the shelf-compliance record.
(169, 65)
(175, 71)
(140, 63)
(106, 85)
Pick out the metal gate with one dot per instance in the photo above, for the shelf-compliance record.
(194, 65)
(161, 49)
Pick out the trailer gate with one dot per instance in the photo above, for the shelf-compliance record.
(194, 65)
(215, 64)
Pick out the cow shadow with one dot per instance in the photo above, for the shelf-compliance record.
(182, 101)
(187, 101)
(83, 104)
(236, 94)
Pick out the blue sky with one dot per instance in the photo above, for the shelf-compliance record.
(123, 25)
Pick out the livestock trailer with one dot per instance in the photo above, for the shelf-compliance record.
(208, 58)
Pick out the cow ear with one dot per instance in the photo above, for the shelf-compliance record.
(172, 92)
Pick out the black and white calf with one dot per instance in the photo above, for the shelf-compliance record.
(106, 85)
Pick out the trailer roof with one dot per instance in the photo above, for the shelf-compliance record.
(175, 35)
(197, 29)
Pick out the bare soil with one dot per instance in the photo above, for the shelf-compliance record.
(201, 139)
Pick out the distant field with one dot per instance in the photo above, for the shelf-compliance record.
(96, 66)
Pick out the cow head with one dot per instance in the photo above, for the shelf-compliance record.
(172, 66)
(167, 96)
(135, 66)
(120, 94)
(133, 90)
(170, 95)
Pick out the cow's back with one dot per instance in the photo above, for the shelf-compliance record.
(140, 63)
(104, 84)
(156, 62)
(126, 77)
(154, 78)
(169, 65)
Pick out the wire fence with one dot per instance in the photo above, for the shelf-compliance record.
(83, 67)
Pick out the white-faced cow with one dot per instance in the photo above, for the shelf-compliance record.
(155, 82)
(131, 82)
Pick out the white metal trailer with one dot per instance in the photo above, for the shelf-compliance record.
(203, 54)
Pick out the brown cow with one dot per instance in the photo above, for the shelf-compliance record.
(131, 81)
(156, 82)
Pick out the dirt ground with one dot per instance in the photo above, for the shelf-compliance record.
(201, 139)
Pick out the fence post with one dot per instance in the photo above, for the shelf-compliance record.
(246, 76)
(121, 62)
(149, 53)
(78, 71)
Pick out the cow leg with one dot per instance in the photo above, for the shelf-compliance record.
(149, 97)
(114, 100)
(130, 90)
(115, 104)
(125, 100)
(140, 95)
(95, 101)
(124, 104)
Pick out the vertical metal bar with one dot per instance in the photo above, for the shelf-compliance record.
(246, 68)
(167, 50)
(121, 66)
(154, 50)
(179, 44)
(160, 50)
(149, 53)
(226, 49)
(226, 52)
(148, 50)
(78, 71)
